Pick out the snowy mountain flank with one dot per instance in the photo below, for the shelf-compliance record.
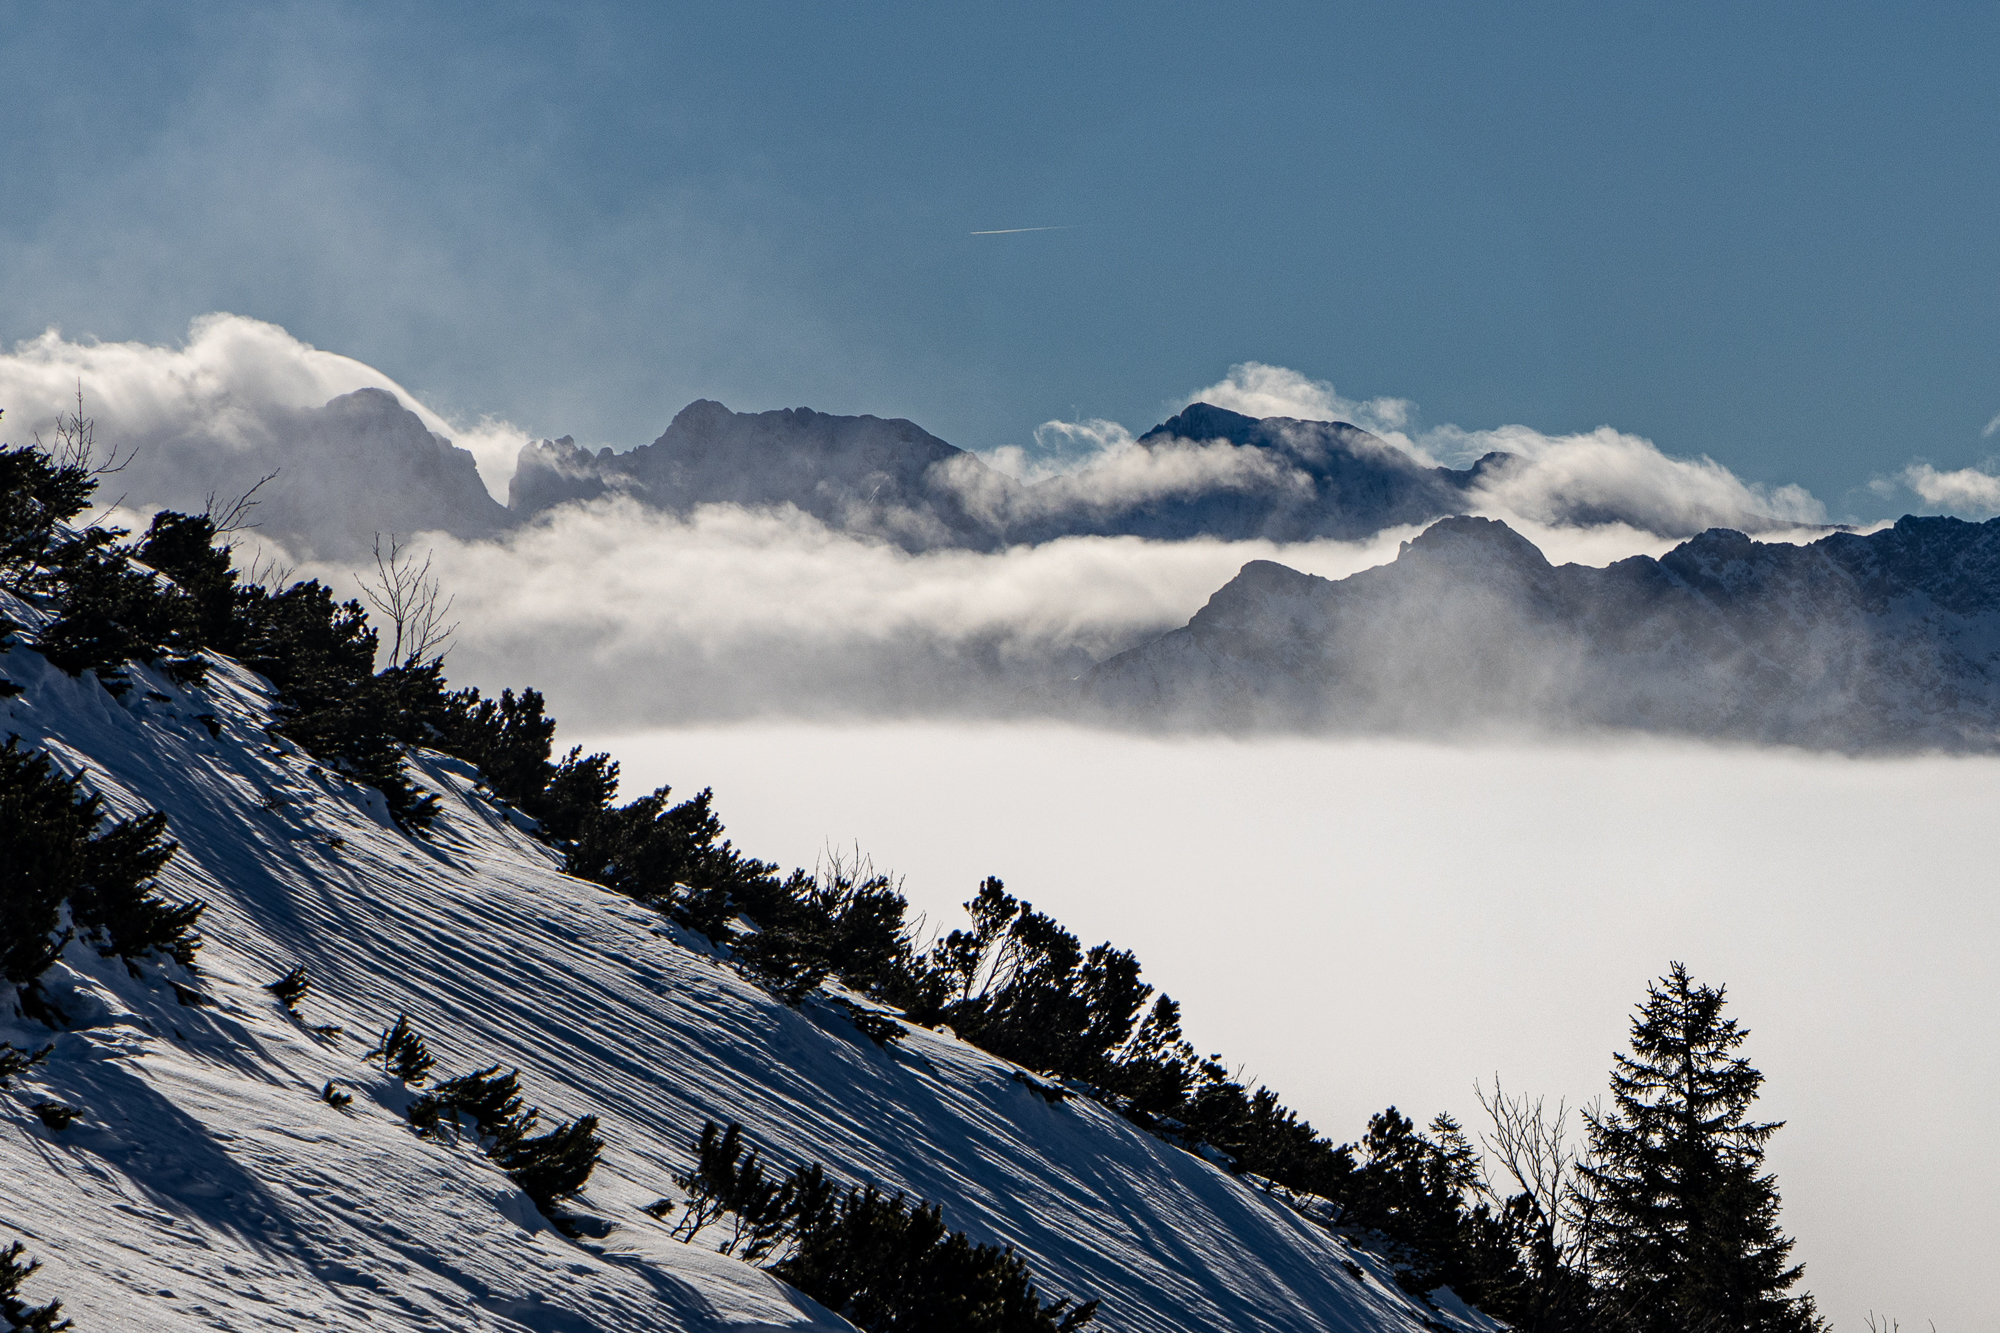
(1884, 641)
(206, 1183)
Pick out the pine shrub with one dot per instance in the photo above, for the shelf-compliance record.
(554, 1166)
(63, 850)
(55, 1115)
(403, 1053)
(291, 987)
(23, 1317)
(16, 1061)
(885, 1262)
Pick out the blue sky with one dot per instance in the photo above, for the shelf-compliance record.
(1762, 233)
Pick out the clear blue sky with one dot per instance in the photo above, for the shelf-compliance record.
(1767, 232)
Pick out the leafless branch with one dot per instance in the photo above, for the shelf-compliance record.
(76, 443)
(269, 572)
(406, 593)
(1531, 1144)
(233, 516)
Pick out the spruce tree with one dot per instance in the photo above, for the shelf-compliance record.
(1683, 1219)
(17, 1312)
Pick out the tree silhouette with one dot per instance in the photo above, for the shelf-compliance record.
(1683, 1225)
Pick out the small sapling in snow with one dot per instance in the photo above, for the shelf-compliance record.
(291, 987)
(404, 1054)
(335, 1098)
(16, 1060)
(55, 1115)
(658, 1209)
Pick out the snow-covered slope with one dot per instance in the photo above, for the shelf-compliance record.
(1889, 640)
(207, 1185)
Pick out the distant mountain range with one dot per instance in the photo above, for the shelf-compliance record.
(1206, 472)
(1890, 640)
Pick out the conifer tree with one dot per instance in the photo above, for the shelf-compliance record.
(1683, 1225)
(18, 1313)
(403, 1053)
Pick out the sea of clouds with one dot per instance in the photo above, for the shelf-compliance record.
(1358, 922)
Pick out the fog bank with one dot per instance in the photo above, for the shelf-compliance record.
(624, 615)
(1368, 923)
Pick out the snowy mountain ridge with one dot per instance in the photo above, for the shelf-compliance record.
(1885, 641)
(206, 1184)
(1205, 472)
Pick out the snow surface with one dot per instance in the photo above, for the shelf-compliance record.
(207, 1185)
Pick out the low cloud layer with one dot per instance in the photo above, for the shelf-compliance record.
(1430, 914)
(1599, 476)
(625, 614)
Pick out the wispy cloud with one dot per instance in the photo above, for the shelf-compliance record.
(1965, 490)
(1589, 479)
(1991, 427)
(1259, 390)
(1016, 231)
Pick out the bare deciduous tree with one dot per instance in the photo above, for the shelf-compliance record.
(1531, 1145)
(407, 594)
(76, 443)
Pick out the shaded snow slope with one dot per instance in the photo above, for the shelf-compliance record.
(207, 1186)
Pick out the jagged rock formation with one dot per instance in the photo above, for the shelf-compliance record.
(862, 473)
(1206, 472)
(1890, 640)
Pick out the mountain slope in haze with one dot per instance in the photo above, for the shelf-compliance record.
(1206, 472)
(1890, 640)
(360, 464)
(207, 1185)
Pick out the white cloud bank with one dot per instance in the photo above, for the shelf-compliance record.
(1589, 478)
(1965, 491)
(233, 385)
(1258, 390)
(622, 613)
(1372, 922)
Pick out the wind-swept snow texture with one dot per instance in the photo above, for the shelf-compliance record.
(208, 1186)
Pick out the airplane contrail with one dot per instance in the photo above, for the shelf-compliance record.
(1010, 231)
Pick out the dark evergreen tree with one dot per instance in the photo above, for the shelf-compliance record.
(887, 1263)
(37, 496)
(493, 1101)
(403, 1053)
(60, 849)
(1683, 1228)
(291, 987)
(23, 1317)
(182, 546)
(321, 656)
(554, 1166)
